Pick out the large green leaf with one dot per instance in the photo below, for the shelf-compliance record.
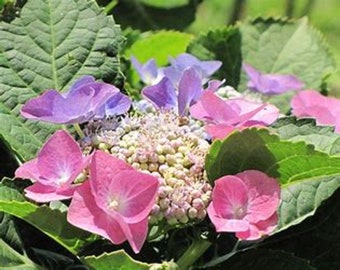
(51, 222)
(12, 260)
(51, 44)
(222, 44)
(291, 47)
(160, 46)
(307, 177)
(116, 260)
(322, 137)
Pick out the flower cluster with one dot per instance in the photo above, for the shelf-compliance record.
(146, 166)
(169, 148)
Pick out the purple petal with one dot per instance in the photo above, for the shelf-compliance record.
(78, 105)
(41, 108)
(270, 84)
(278, 84)
(80, 83)
(189, 90)
(173, 74)
(148, 72)
(185, 60)
(116, 105)
(162, 94)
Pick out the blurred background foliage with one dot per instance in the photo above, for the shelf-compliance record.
(322, 14)
(201, 15)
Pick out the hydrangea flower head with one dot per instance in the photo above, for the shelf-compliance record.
(224, 116)
(270, 84)
(168, 147)
(310, 103)
(82, 102)
(115, 202)
(58, 164)
(245, 203)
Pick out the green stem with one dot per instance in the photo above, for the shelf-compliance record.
(290, 7)
(237, 11)
(79, 131)
(110, 6)
(193, 253)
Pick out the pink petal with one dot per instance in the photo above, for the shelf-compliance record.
(263, 192)
(135, 232)
(310, 103)
(46, 193)
(260, 112)
(137, 193)
(60, 158)
(226, 225)
(229, 192)
(28, 170)
(84, 213)
(211, 108)
(104, 168)
(219, 131)
(258, 230)
(229, 205)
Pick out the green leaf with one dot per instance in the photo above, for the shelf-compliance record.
(323, 138)
(55, 261)
(51, 222)
(222, 44)
(291, 47)
(160, 46)
(116, 260)
(11, 259)
(139, 15)
(260, 259)
(307, 177)
(51, 44)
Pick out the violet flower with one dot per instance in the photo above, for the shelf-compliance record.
(85, 100)
(184, 61)
(58, 164)
(325, 110)
(270, 84)
(245, 203)
(164, 95)
(224, 116)
(148, 72)
(115, 202)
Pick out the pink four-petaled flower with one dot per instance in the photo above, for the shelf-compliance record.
(245, 203)
(115, 202)
(325, 110)
(224, 116)
(57, 165)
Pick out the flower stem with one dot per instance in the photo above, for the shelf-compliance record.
(79, 131)
(110, 6)
(193, 253)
